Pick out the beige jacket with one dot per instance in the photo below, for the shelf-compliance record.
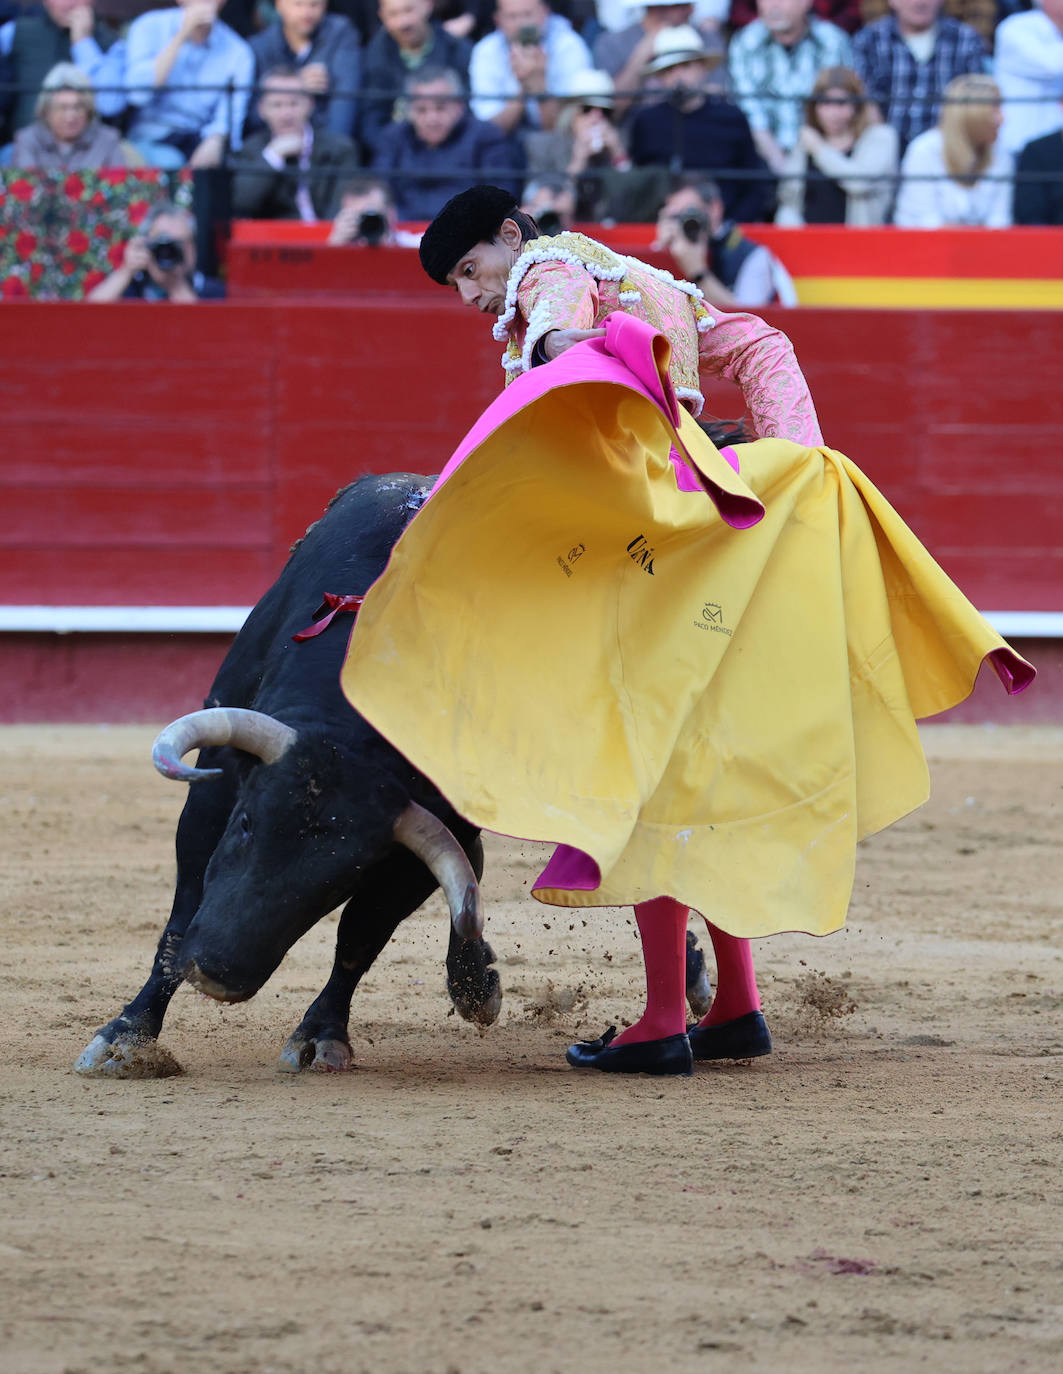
(875, 154)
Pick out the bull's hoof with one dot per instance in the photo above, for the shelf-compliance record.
(127, 1056)
(316, 1055)
(699, 989)
(477, 1000)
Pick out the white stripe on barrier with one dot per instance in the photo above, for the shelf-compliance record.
(64, 620)
(228, 619)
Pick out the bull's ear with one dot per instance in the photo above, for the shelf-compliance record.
(427, 837)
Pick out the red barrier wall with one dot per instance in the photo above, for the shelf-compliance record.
(169, 456)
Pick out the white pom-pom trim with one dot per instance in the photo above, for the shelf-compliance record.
(686, 393)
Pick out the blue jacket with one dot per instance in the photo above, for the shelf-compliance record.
(385, 71)
(423, 178)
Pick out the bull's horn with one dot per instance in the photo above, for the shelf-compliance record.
(252, 731)
(448, 863)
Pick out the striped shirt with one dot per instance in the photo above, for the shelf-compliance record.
(908, 91)
(772, 82)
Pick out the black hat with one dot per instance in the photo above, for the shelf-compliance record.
(471, 217)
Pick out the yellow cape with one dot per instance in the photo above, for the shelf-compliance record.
(575, 650)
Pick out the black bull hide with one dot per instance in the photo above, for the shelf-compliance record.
(265, 850)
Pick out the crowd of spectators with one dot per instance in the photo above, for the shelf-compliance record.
(710, 113)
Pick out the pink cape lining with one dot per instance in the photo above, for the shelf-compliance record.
(631, 355)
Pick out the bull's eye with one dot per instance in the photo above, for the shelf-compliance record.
(245, 823)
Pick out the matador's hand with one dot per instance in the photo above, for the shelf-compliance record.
(555, 343)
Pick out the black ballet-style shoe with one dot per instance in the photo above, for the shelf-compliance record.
(746, 1037)
(671, 1055)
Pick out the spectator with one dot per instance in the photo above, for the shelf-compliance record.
(773, 64)
(62, 31)
(908, 58)
(845, 14)
(169, 54)
(160, 263)
(441, 148)
(324, 49)
(66, 136)
(696, 129)
(367, 216)
(958, 173)
(551, 202)
(1039, 184)
(711, 251)
(626, 54)
(408, 40)
(844, 168)
(517, 71)
(1029, 67)
(290, 170)
(595, 143)
(585, 138)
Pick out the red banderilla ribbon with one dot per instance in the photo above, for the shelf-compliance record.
(333, 604)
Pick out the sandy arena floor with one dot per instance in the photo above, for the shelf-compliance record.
(883, 1193)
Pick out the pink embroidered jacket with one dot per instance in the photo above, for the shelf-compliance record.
(573, 282)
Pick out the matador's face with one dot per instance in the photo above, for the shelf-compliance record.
(480, 275)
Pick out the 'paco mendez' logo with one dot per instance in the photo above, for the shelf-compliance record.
(640, 553)
(574, 555)
(712, 619)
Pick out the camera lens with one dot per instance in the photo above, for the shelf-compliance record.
(372, 227)
(693, 225)
(168, 253)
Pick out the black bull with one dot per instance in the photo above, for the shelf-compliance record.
(307, 808)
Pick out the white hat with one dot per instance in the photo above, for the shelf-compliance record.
(680, 44)
(592, 87)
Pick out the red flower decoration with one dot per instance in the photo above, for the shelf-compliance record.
(115, 254)
(98, 201)
(73, 187)
(103, 231)
(67, 267)
(113, 176)
(12, 287)
(77, 241)
(25, 244)
(36, 271)
(137, 210)
(91, 279)
(21, 190)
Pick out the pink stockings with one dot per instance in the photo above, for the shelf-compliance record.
(662, 925)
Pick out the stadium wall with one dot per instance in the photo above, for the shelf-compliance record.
(159, 462)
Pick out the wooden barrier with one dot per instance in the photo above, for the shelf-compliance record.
(168, 456)
(832, 265)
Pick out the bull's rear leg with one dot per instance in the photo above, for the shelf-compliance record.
(127, 1046)
(386, 895)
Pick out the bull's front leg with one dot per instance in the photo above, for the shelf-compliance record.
(389, 892)
(127, 1047)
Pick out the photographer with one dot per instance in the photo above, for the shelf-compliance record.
(367, 216)
(160, 263)
(551, 203)
(712, 251)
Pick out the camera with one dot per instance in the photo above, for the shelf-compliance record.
(528, 36)
(694, 225)
(168, 253)
(549, 222)
(372, 227)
